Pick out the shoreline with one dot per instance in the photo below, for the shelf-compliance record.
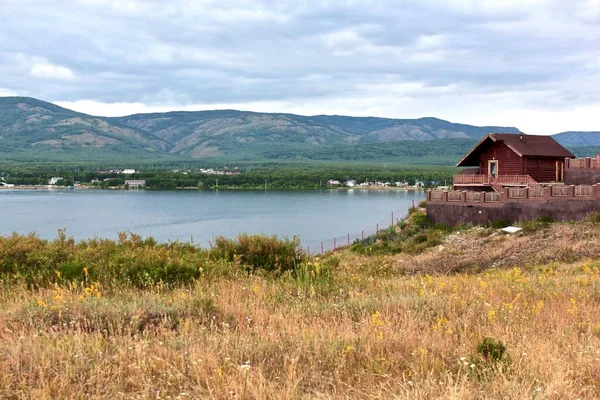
(373, 187)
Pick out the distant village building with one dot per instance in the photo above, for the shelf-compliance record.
(54, 180)
(351, 183)
(333, 182)
(128, 171)
(135, 183)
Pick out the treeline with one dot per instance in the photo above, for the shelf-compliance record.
(444, 152)
(249, 177)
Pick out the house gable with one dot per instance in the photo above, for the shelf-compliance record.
(509, 162)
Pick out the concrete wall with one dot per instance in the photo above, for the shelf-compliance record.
(453, 214)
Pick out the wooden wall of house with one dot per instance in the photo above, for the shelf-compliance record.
(509, 162)
(542, 169)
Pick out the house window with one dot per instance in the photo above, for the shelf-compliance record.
(493, 168)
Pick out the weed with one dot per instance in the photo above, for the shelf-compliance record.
(594, 217)
(499, 223)
(540, 223)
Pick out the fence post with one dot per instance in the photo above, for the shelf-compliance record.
(334, 244)
(392, 218)
(362, 235)
(321, 248)
(348, 239)
(377, 228)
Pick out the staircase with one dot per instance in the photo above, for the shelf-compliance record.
(497, 183)
(500, 181)
(496, 186)
(532, 183)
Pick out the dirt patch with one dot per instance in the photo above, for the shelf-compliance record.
(478, 249)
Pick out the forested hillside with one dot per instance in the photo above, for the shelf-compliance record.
(35, 130)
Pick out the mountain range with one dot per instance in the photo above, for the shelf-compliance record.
(35, 129)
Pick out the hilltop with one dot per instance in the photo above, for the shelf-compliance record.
(34, 128)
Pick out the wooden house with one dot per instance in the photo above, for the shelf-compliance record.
(507, 159)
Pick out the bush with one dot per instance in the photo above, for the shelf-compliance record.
(254, 252)
(491, 356)
(420, 220)
(76, 272)
(129, 261)
(491, 350)
(423, 240)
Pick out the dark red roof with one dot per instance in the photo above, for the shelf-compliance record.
(523, 145)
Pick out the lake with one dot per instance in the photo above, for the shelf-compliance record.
(315, 216)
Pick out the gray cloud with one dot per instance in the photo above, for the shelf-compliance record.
(185, 52)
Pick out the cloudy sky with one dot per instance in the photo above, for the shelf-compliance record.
(534, 64)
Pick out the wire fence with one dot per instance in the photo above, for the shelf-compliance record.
(338, 242)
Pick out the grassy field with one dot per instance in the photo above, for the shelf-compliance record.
(475, 315)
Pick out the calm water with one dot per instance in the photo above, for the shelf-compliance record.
(201, 215)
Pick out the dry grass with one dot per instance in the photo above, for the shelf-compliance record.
(363, 329)
(478, 249)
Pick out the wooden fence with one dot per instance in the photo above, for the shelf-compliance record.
(557, 192)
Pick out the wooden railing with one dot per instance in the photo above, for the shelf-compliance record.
(532, 183)
(525, 180)
(495, 182)
(472, 179)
